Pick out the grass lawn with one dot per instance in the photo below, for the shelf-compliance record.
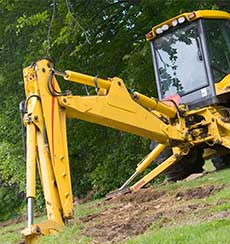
(213, 232)
(205, 225)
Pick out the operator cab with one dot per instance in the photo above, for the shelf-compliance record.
(191, 56)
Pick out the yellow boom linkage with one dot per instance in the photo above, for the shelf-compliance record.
(46, 109)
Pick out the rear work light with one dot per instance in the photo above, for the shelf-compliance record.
(181, 20)
(174, 22)
(159, 31)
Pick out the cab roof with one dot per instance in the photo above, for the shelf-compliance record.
(186, 17)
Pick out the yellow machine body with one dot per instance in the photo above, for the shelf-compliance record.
(47, 108)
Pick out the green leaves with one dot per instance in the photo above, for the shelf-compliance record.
(33, 20)
(12, 166)
(95, 37)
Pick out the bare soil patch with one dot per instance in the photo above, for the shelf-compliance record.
(133, 213)
(198, 192)
(19, 219)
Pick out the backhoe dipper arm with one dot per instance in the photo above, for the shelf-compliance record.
(47, 145)
(46, 111)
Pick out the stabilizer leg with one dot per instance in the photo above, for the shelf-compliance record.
(140, 168)
(155, 172)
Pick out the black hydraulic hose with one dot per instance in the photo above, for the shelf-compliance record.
(181, 113)
(51, 88)
(27, 100)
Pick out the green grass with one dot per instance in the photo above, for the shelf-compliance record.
(193, 227)
(220, 201)
(210, 232)
(213, 232)
(88, 208)
(70, 234)
(214, 178)
(11, 234)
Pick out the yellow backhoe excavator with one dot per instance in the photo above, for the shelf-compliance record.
(191, 56)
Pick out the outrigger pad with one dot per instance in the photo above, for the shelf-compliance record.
(45, 228)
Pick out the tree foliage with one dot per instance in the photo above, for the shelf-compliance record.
(105, 38)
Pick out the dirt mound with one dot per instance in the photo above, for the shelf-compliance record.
(134, 213)
(17, 220)
(145, 195)
(117, 223)
(198, 192)
(220, 215)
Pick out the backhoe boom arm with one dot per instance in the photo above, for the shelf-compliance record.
(45, 118)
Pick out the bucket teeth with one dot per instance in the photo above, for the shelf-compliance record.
(117, 193)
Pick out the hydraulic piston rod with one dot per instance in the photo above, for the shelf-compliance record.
(31, 170)
(145, 101)
(154, 104)
(30, 202)
(140, 168)
(87, 79)
(145, 163)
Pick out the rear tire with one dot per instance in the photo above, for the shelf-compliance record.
(189, 164)
(221, 162)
